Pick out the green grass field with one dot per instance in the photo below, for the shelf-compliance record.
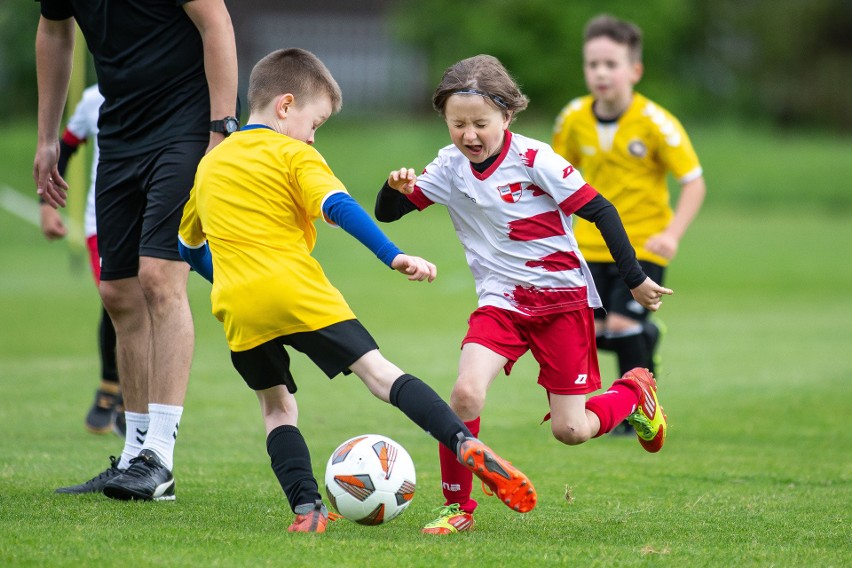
(757, 470)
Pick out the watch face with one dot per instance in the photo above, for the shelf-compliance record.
(231, 125)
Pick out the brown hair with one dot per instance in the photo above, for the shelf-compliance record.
(294, 71)
(619, 31)
(481, 75)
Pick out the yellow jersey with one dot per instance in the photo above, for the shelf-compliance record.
(255, 199)
(627, 162)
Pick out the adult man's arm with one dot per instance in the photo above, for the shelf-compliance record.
(213, 21)
(54, 51)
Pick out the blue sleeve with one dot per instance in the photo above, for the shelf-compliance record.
(341, 209)
(199, 259)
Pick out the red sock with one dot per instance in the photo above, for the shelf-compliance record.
(613, 406)
(456, 479)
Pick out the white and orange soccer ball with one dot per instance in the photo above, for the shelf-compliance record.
(369, 479)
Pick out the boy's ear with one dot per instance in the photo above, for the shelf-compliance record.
(283, 103)
(636, 73)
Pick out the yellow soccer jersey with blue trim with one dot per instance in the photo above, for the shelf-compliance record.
(627, 162)
(255, 199)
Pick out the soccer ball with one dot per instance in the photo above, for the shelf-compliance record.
(369, 479)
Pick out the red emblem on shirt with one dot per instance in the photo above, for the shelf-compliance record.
(511, 193)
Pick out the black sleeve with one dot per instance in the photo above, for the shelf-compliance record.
(65, 152)
(392, 205)
(605, 217)
(55, 9)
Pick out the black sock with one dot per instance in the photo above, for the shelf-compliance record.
(291, 462)
(424, 407)
(632, 352)
(602, 342)
(106, 343)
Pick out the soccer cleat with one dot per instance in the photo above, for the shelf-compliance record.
(312, 518)
(96, 484)
(507, 482)
(100, 416)
(648, 419)
(451, 519)
(146, 479)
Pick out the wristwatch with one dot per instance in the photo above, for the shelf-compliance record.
(226, 126)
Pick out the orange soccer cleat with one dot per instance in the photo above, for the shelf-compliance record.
(507, 482)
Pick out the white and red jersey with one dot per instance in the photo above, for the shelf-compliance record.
(514, 222)
(82, 126)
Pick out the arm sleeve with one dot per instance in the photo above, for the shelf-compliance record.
(199, 258)
(605, 217)
(66, 150)
(392, 205)
(344, 211)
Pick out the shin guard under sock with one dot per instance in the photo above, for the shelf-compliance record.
(425, 408)
(631, 350)
(291, 462)
(613, 406)
(456, 479)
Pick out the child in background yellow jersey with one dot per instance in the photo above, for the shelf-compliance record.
(250, 222)
(625, 145)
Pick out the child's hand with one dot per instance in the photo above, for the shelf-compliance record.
(650, 294)
(51, 223)
(662, 244)
(403, 181)
(416, 268)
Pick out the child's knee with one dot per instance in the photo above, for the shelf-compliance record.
(466, 400)
(569, 434)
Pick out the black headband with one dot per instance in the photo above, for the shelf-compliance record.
(497, 100)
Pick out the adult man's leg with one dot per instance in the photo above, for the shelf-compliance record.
(163, 283)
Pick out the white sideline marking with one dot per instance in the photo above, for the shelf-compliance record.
(23, 207)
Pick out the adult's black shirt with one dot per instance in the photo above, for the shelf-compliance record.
(150, 65)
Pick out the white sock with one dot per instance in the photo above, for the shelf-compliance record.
(162, 432)
(137, 429)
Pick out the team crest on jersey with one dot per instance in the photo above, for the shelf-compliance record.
(637, 148)
(511, 193)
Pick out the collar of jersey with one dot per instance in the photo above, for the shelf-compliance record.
(255, 127)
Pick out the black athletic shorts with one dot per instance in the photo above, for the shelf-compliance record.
(333, 349)
(139, 204)
(614, 293)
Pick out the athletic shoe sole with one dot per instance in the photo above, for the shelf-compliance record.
(507, 482)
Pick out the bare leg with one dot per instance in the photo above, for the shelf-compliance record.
(125, 302)
(172, 334)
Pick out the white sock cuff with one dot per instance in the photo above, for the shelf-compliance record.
(165, 410)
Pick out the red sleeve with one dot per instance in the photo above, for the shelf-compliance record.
(71, 140)
(577, 199)
(419, 200)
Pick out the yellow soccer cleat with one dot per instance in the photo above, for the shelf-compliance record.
(648, 419)
(451, 519)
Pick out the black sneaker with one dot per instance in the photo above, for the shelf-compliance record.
(119, 424)
(96, 484)
(146, 479)
(100, 417)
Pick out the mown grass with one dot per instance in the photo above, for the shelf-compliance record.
(756, 471)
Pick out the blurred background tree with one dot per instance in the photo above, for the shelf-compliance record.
(785, 62)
